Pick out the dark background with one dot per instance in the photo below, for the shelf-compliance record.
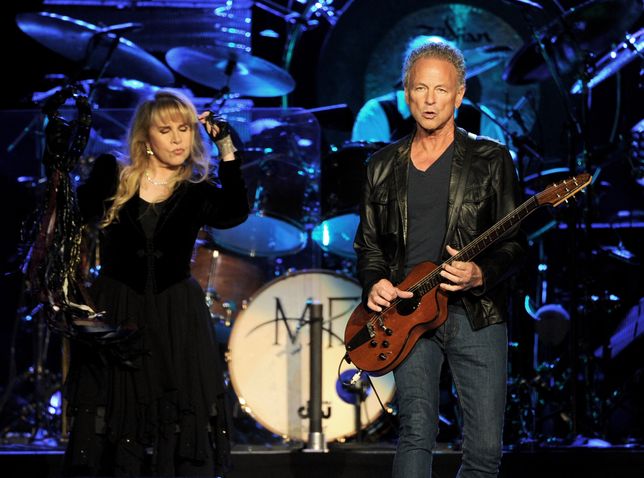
(580, 270)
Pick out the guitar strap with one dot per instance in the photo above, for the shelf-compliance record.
(460, 188)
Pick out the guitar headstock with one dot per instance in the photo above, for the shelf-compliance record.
(562, 190)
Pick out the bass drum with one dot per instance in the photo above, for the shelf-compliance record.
(269, 356)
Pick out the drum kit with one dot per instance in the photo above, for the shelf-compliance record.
(296, 196)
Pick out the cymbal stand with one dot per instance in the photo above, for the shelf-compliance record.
(91, 46)
(554, 73)
(34, 412)
(224, 90)
(298, 23)
(211, 293)
(73, 80)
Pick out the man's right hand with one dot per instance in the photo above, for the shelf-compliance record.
(383, 292)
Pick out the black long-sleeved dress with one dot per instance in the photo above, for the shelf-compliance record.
(153, 404)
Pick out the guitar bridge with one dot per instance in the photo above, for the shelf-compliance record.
(365, 334)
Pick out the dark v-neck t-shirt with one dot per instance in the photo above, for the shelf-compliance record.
(427, 198)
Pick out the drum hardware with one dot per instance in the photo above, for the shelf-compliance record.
(625, 334)
(564, 47)
(299, 22)
(337, 117)
(636, 152)
(483, 58)
(222, 327)
(211, 294)
(526, 147)
(626, 51)
(313, 411)
(526, 3)
(621, 253)
(304, 19)
(280, 191)
(340, 189)
(227, 281)
(100, 49)
(564, 43)
(32, 400)
(96, 49)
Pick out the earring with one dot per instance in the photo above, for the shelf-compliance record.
(149, 151)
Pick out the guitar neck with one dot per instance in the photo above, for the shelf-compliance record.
(495, 232)
(481, 243)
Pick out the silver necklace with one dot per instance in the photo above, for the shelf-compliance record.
(155, 182)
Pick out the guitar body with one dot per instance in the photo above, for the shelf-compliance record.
(382, 347)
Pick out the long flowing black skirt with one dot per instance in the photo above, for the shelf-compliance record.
(151, 405)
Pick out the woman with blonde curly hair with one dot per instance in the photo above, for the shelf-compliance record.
(153, 404)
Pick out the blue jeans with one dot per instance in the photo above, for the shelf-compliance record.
(478, 363)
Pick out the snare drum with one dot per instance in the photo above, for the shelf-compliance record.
(269, 356)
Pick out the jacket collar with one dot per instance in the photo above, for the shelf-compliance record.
(455, 179)
(402, 156)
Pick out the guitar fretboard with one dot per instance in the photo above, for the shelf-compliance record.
(478, 245)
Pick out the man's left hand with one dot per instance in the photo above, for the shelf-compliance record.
(461, 275)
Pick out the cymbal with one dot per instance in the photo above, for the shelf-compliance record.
(580, 30)
(483, 58)
(80, 41)
(243, 73)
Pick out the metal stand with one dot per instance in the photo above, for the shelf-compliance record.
(316, 442)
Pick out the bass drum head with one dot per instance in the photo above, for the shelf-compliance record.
(269, 356)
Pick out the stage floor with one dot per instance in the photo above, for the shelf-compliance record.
(367, 461)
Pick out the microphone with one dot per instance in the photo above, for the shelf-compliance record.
(120, 28)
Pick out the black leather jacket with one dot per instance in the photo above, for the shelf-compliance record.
(491, 191)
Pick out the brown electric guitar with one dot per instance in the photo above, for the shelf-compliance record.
(377, 342)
